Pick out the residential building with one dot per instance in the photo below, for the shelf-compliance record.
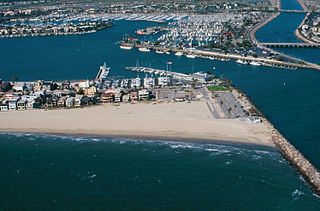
(4, 106)
(117, 97)
(107, 97)
(144, 94)
(134, 96)
(19, 86)
(125, 98)
(70, 101)
(90, 91)
(21, 104)
(12, 102)
(78, 100)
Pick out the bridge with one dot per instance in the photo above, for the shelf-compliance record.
(293, 11)
(291, 45)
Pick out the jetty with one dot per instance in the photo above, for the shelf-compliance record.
(292, 155)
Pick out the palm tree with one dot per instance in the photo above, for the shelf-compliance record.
(229, 110)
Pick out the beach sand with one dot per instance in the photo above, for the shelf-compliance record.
(166, 120)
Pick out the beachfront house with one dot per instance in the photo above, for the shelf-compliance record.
(31, 104)
(80, 84)
(12, 102)
(70, 101)
(107, 97)
(134, 97)
(144, 94)
(91, 91)
(62, 101)
(117, 97)
(19, 86)
(125, 98)
(21, 104)
(78, 100)
(4, 106)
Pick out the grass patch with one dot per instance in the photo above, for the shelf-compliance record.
(218, 88)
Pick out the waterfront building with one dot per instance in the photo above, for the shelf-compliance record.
(62, 101)
(144, 94)
(78, 100)
(70, 101)
(13, 103)
(31, 104)
(19, 86)
(125, 98)
(4, 106)
(134, 97)
(90, 91)
(118, 97)
(21, 104)
(107, 97)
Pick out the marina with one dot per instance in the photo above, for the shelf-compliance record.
(148, 104)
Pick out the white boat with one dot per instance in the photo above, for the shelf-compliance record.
(191, 56)
(126, 47)
(255, 63)
(144, 49)
(103, 72)
(211, 57)
(179, 53)
(241, 61)
(167, 52)
(159, 51)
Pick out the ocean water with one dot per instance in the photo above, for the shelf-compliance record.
(42, 172)
(60, 172)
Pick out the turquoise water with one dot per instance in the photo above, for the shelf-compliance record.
(80, 173)
(60, 172)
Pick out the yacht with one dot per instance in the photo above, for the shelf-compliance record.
(241, 61)
(179, 53)
(191, 56)
(144, 49)
(159, 51)
(126, 47)
(255, 63)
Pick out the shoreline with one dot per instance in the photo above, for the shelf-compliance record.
(182, 121)
(152, 139)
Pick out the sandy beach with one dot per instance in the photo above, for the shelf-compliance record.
(158, 120)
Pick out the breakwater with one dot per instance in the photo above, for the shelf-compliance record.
(222, 56)
(293, 156)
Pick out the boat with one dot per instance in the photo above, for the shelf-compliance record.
(126, 47)
(211, 57)
(179, 53)
(167, 52)
(159, 51)
(239, 61)
(255, 63)
(191, 56)
(103, 72)
(144, 49)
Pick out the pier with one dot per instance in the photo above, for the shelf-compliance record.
(291, 45)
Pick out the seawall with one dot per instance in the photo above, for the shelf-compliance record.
(295, 158)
